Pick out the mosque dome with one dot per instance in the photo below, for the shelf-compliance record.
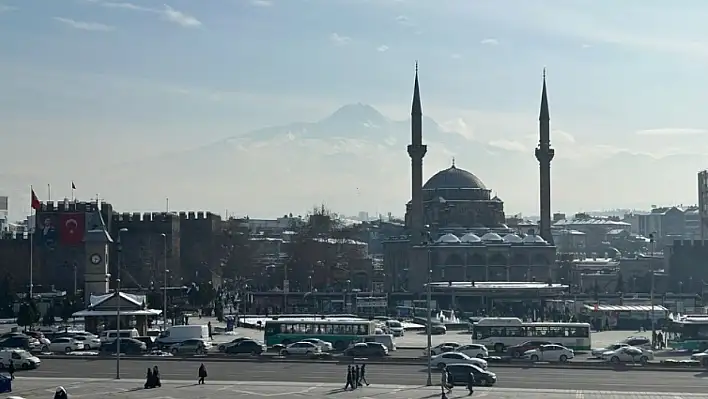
(492, 237)
(470, 238)
(532, 239)
(512, 239)
(454, 177)
(448, 239)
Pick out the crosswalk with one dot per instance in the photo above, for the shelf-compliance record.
(95, 388)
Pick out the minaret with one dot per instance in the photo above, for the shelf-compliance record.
(544, 154)
(416, 150)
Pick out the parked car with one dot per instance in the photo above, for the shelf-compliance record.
(638, 342)
(324, 345)
(20, 341)
(438, 329)
(39, 336)
(367, 349)
(66, 345)
(629, 354)
(461, 372)
(191, 346)
(20, 358)
(550, 353)
(302, 349)
(598, 352)
(222, 347)
(443, 360)
(88, 341)
(148, 340)
(129, 346)
(518, 351)
(394, 327)
(249, 346)
(473, 350)
(442, 348)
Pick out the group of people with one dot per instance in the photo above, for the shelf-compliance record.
(447, 383)
(152, 380)
(356, 377)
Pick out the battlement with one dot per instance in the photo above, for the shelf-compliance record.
(68, 206)
(200, 215)
(146, 217)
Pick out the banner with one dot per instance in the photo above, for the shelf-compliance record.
(72, 228)
(4, 208)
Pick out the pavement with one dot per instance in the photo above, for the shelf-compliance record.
(31, 388)
(315, 373)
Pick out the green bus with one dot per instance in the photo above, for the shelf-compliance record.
(339, 332)
(688, 333)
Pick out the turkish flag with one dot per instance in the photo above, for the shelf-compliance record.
(71, 228)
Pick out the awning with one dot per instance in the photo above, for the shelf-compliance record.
(617, 308)
(103, 313)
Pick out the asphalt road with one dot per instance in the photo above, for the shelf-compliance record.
(608, 380)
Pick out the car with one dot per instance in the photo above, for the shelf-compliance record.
(550, 353)
(367, 349)
(222, 347)
(21, 342)
(628, 354)
(39, 336)
(149, 341)
(394, 327)
(638, 342)
(301, 348)
(249, 346)
(518, 351)
(473, 350)
(88, 341)
(66, 345)
(442, 348)
(461, 372)
(438, 329)
(597, 353)
(127, 346)
(324, 345)
(440, 361)
(20, 358)
(191, 346)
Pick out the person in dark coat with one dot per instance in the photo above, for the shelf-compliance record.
(149, 380)
(202, 374)
(156, 377)
(11, 369)
(362, 375)
(350, 383)
(357, 382)
(60, 393)
(470, 383)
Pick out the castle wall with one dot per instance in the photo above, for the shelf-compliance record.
(200, 246)
(687, 263)
(15, 261)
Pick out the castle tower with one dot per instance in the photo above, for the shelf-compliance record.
(544, 155)
(416, 150)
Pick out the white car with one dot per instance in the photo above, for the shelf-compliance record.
(442, 348)
(629, 354)
(550, 353)
(443, 360)
(474, 350)
(395, 328)
(324, 345)
(597, 353)
(66, 345)
(700, 356)
(301, 348)
(20, 358)
(90, 342)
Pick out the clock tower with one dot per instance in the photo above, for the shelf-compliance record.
(96, 276)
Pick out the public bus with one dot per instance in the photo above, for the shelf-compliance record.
(499, 333)
(688, 333)
(340, 332)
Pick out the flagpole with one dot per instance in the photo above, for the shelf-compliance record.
(49, 192)
(72, 191)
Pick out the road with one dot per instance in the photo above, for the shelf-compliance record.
(603, 380)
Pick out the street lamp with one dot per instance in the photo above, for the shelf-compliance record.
(430, 327)
(164, 286)
(120, 262)
(651, 293)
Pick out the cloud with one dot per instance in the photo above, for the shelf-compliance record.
(403, 20)
(562, 136)
(671, 131)
(509, 145)
(339, 40)
(261, 3)
(180, 18)
(382, 49)
(458, 125)
(455, 56)
(127, 6)
(90, 26)
(490, 42)
(5, 8)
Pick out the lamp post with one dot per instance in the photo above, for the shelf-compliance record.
(164, 286)
(429, 324)
(651, 292)
(120, 264)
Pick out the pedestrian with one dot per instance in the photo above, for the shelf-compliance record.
(349, 379)
(149, 380)
(444, 384)
(202, 374)
(11, 369)
(60, 393)
(362, 376)
(357, 376)
(156, 377)
(470, 383)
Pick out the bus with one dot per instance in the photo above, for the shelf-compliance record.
(340, 332)
(499, 333)
(688, 333)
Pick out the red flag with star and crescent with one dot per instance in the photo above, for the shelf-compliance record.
(72, 228)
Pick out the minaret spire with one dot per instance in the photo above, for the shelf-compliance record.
(416, 151)
(544, 155)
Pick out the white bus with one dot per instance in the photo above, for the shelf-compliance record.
(499, 333)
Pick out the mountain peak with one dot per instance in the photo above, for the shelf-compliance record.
(356, 114)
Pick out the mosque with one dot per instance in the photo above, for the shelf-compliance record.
(456, 227)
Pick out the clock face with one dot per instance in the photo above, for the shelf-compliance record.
(96, 259)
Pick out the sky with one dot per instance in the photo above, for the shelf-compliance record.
(89, 83)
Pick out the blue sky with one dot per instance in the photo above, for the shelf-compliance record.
(77, 75)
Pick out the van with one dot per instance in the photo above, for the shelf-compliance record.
(394, 327)
(385, 339)
(110, 335)
(20, 358)
(176, 334)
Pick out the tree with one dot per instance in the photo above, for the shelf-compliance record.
(67, 309)
(620, 283)
(48, 318)
(596, 291)
(28, 314)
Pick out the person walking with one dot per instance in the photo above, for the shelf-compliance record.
(349, 379)
(156, 377)
(149, 380)
(202, 374)
(357, 376)
(11, 369)
(362, 376)
(470, 383)
(444, 383)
